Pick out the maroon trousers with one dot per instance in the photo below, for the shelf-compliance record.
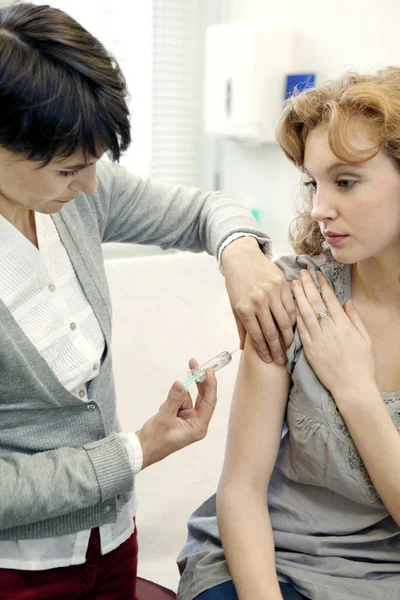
(108, 577)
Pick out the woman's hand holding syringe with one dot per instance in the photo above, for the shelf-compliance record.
(178, 423)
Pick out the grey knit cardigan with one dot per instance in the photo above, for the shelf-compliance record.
(62, 466)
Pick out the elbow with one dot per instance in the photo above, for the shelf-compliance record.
(235, 502)
(234, 496)
(225, 496)
(229, 504)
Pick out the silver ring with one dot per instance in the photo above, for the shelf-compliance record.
(324, 314)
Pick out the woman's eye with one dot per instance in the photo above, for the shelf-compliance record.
(346, 183)
(311, 184)
(70, 173)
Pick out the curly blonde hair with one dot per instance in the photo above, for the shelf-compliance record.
(372, 99)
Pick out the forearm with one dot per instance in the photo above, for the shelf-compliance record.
(50, 484)
(150, 212)
(377, 440)
(246, 534)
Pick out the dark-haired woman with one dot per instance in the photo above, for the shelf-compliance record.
(66, 471)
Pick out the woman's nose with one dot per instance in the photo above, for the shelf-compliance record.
(323, 207)
(85, 182)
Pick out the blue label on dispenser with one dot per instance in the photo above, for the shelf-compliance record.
(298, 82)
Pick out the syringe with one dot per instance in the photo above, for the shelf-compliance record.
(199, 374)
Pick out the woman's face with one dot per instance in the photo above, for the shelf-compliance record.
(46, 190)
(357, 206)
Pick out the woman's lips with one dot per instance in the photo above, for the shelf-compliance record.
(334, 239)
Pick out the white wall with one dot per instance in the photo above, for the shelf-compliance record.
(330, 37)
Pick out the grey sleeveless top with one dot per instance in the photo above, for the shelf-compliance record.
(334, 538)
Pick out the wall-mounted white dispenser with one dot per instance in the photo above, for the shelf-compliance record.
(245, 76)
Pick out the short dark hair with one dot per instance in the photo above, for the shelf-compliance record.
(60, 90)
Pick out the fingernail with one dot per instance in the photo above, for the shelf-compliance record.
(267, 358)
(281, 359)
(178, 387)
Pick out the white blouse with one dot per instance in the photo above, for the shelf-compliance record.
(42, 292)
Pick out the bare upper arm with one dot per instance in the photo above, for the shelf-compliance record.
(256, 419)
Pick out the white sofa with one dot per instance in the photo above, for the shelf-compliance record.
(167, 309)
